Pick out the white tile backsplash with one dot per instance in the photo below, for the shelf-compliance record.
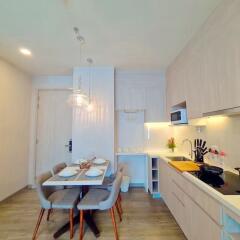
(220, 131)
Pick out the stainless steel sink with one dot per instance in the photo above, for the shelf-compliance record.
(178, 158)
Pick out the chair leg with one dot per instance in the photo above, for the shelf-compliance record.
(81, 225)
(114, 223)
(118, 211)
(38, 223)
(48, 214)
(119, 200)
(71, 222)
(120, 197)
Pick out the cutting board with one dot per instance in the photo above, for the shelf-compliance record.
(185, 166)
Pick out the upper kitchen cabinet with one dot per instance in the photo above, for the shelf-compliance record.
(209, 66)
(229, 63)
(221, 66)
(176, 85)
(195, 85)
(141, 90)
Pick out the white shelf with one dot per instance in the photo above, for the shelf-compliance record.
(154, 175)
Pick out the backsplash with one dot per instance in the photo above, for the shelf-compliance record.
(156, 135)
(220, 131)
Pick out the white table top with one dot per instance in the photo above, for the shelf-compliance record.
(79, 179)
(131, 154)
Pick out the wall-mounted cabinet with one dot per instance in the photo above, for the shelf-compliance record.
(206, 74)
(175, 87)
(141, 90)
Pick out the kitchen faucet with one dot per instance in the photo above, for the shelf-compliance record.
(191, 147)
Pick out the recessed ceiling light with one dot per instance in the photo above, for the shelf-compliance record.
(25, 51)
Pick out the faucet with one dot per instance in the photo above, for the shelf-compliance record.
(191, 147)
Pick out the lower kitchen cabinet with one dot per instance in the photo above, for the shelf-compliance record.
(202, 226)
(180, 209)
(190, 214)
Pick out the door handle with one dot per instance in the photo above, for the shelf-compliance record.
(69, 145)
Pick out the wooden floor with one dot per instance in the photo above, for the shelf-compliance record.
(144, 219)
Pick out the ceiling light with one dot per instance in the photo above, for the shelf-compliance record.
(25, 51)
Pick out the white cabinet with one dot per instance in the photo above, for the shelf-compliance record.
(180, 208)
(206, 74)
(201, 225)
(195, 85)
(176, 86)
(141, 90)
(174, 197)
(198, 215)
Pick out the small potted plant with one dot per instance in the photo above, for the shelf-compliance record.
(171, 144)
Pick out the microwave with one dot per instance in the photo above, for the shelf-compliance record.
(179, 116)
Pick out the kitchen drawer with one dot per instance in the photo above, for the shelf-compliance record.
(206, 202)
(176, 175)
(202, 227)
(191, 215)
(180, 208)
(209, 205)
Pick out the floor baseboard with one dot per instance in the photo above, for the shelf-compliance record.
(10, 196)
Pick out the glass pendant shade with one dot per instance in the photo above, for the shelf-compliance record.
(78, 99)
(90, 107)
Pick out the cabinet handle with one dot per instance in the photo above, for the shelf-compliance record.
(175, 195)
(177, 185)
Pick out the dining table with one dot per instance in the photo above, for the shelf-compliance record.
(83, 181)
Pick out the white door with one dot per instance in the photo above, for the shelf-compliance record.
(54, 129)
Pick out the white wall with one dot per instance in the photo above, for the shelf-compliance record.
(93, 132)
(223, 132)
(15, 97)
(156, 136)
(42, 82)
(220, 131)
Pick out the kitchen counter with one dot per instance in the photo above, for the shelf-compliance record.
(231, 202)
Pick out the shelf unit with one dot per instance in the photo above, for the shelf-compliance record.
(154, 176)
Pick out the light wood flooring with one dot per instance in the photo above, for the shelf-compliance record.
(144, 218)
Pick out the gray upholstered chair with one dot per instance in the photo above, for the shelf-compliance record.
(50, 198)
(101, 199)
(108, 181)
(107, 184)
(59, 167)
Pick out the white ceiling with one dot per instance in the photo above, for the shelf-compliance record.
(128, 34)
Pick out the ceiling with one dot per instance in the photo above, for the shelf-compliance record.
(127, 34)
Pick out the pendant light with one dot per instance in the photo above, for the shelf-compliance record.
(78, 98)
